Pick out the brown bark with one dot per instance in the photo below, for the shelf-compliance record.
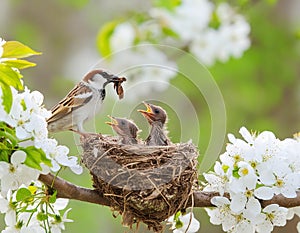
(68, 190)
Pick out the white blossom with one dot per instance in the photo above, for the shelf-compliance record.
(34, 225)
(28, 116)
(122, 37)
(205, 45)
(222, 214)
(7, 207)
(249, 138)
(264, 193)
(272, 215)
(14, 174)
(187, 25)
(23, 229)
(60, 204)
(289, 149)
(252, 209)
(225, 13)
(69, 161)
(59, 155)
(28, 119)
(191, 15)
(16, 229)
(19, 225)
(246, 179)
(217, 180)
(58, 223)
(189, 224)
(231, 38)
(234, 40)
(258, 167)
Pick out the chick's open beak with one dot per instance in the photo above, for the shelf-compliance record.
(148, 113)
(113, 121)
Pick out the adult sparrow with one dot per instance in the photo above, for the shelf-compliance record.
(156, 117)
(82, 102)
(125, 128)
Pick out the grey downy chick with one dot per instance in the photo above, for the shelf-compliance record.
(156, 117)
(125, 128)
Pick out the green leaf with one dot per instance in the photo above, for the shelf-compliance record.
(176, 217)
(9, 137)
(167, 4)
(235, 172)
(3, 146)
(35, 157)
(52, 199)
(169, 32)
(10, 77)
(19, 64)
(5, 127)
(225, 168)
(215, 21)
(15, 49)
(23, 194)
(103, 38)
(178, 224)
(7, 98)
(4, 155)
(42, 216)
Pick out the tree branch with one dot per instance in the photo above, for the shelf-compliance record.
(283, 201)
(68, 190)
(202, 199)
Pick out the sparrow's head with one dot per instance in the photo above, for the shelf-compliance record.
(100, 78)
(154, 113)
(123, 126)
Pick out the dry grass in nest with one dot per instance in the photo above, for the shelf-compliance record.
(144, 183)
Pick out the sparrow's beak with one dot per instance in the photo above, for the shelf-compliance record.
(113, 121)
(148, 113)
(115, 78)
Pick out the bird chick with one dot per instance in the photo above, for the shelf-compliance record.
(125, 128)
(156, 117)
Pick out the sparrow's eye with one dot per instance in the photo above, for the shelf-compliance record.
(156, 111)
(122, 123)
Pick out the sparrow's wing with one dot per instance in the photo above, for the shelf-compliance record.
(77, 97)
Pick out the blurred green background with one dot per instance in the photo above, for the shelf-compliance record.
(261, 90)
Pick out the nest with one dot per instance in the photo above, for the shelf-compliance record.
(144, 183)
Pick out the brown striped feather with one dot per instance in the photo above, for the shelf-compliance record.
(70, 102)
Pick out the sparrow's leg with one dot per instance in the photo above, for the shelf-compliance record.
(80, 127)
(83, 133)
(79, 132)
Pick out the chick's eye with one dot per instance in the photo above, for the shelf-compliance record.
(122, 123)
(156, 111)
